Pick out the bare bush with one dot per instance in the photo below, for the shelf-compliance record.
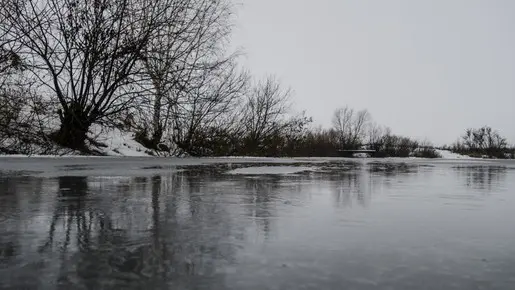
(426, 149)
(264, 114)
(209, 105)
(481, 142)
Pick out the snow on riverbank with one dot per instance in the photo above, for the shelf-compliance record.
(446, 154)
(107, 141)
(118, 143)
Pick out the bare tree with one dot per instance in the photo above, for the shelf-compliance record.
(85, 53)
(350, 126)
(342, 124)
(375, 135)
(18, 109)
(9, 106)
(264, 112)
(209, 104)
(179, 58)
(359, 126)
(10, 61)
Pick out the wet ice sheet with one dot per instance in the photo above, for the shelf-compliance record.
(123, 166)
(364, 225)
(261, 170)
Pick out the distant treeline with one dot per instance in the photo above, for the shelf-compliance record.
(294, 137)
(163, 70)
(483, 142)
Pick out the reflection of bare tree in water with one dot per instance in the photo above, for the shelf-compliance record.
(359, 184)
(192, 231)
(97, 248)
(9, 206)
(13, 196)
(482, 177)
(260, 194)
(69, 212)
(78, 235)
(347, 189)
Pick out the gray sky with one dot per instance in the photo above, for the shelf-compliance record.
(424, 68)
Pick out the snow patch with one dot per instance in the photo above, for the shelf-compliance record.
(270, 170)
(446, 154)
(119, 143)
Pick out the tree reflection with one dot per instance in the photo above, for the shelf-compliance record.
(9, 206)
(79, 235)
(97, 246)
(259, 200)
(482, 177)
(178, 230)
(348, 188)
(69, 213)
(356, 186)
(14, 197)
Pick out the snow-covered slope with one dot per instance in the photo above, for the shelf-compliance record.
(446, 154)
(118, 143)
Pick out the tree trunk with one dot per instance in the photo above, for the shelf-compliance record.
(157, 127)
(73, 130)
(156, 137)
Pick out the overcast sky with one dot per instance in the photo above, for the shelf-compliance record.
(425, 68)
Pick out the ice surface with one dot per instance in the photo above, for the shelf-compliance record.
(270, 170)
(440, 223)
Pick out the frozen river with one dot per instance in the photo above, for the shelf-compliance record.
(143, 223)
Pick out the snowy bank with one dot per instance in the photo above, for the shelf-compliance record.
(116, 142)
(102, 140)
(446, 154)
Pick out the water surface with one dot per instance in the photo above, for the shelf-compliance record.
(191, 224)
